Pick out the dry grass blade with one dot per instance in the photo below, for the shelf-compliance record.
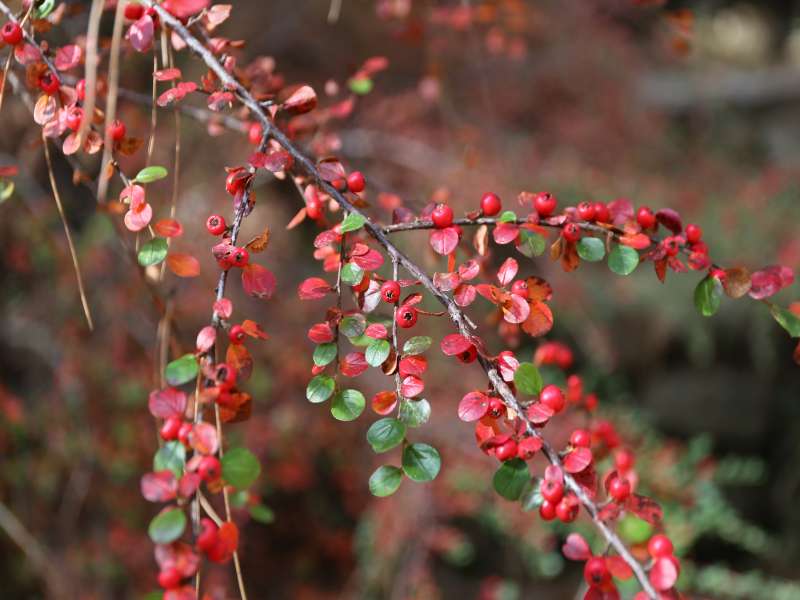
(92, 60)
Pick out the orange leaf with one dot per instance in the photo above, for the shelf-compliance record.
(539, 321)
(639, 241)
(183, 265)
(260, 242)
(253, 329)
(168, 228)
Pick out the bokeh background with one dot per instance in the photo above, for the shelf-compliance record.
(690, 105)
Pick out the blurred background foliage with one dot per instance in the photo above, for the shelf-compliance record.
(690, 105)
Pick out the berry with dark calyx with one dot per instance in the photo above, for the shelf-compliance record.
(567, 509)
(169, 578)
(552, 490)
(237, 334)
(406, 317)
(619, 489)
(11, 33)
(442, 216)
(552, 397)
(117, 130)
(496, 408)
(520, 288)
(581, 438)
(215, 225)
(645, 217)
(255, 133)
(74, 118)
(208, 537)
(49, 83)
(671, 245)
(183, 433)
(585, 211)
(547, 510)
(80, 90)
(170, 428)
(134, 11)
(571, 232)
(240, 257)
(506, 450)
(468, 356)
(693, 233)
(209, 468)
(225, 375)
(545, 204)
(390, 292)
(595, 572)
(624, 460)
(356, 182)
(490, 204)
(601, 212)
(659, 545)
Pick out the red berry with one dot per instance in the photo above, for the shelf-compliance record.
(645, 217)
(255, 133)
(552, 396)
(490, 204)
(595, 572)
(225, 375)
(209, 536)
(237, 334)
(74, 118)
(547, 510)
(117, 130)
(209, 468)
(468, 356)
(571, 232)
(80, 90)
(506, 450)
(671, 245)
(406, 316)
(586, 211)
(659, 545)
(567, 509)
(527, 447)
(170, 428)
(624, 460)
(169, 578)
(314, 208)
(619, 489)
(496, 408)
(356, 182)
(49, 83)
(601, 212)
(390, 292)
(215, 224)
(552, 490)
(520, 288)
(183, 433)
(134, 12)
(235, 183)
(442, 216)
(581, 438)
(544, 203)
(11, 33)
(240, 257)
(693, 233)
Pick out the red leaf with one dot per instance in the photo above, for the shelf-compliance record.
(277, 160)
(384, 402)
(203, 438)
(670, 219)
(159, 486)
(465, 294)
(455, 343)
(505, 233)
(183, 9)
(313, 288)
(168, 228)
(258, 281)
(331, 169)
(618, 567)
(412, 365)
(218, 100)
(769, 281)
(640, 241)
(178, 555)
(188, 484)
(169, 402)
(206, 338)
(664, 573)
(302, 100)
(507, 272)
(353, 365)
(224, 308)
(167, 74)
(183, 265)
(68, 57)
(645, 508)
(371, 260)
(576, 548)
(473, 406)
(577, 460)
(376, 331)
(140, 34)
(444, 241)
(539, 321)
(321, 333)
(515, 309)
(411, 386)
(539, 413)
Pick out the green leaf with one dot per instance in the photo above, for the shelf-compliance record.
(623, 259)
(150, 174)
(377, 352)
(360, 85)
(786, 319)
(708, 295)
(324, 354)
(414, 412)
(153, 252)
(531, 498)
(531, 243)
(320, 388)
(421, 462)
(261, 513)
(348, 405)
(352, 274)
(181, 370)
(510, 479)
(240, 467)
(44, 8)
(417, 344)
(528, 379)
(353, 325)
(385, 434)
(172, 456)
(634, 530)
(591, 249)
(353, 222)
(167, 526)
(507, 217)
(385, 481)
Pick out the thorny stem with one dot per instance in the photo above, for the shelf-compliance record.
(377, 233)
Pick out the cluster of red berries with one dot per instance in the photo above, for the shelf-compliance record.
(227, 255)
